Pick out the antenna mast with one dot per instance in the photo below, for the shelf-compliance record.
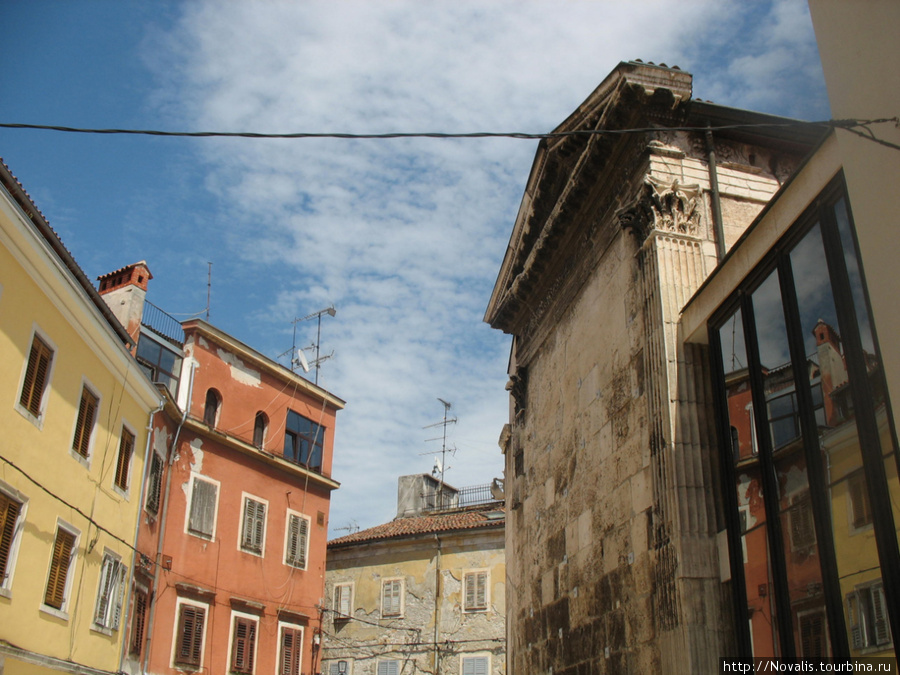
(443, 438)
(208, 287)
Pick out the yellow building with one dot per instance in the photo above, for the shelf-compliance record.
(424, 593)
(75, 407)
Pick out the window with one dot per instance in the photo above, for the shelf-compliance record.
(867, 617)
(243, 645)
(123, 462)
(290, 650)
(803, 533)
(812, 634)
(391, 667)
(296, 543)
(211, 409)
(475, 665)
(860, 509)
(392, 597)
(189, 637)
(161, 365)
(10, 512)
(260, 425)
(341, 667)
(61, 562)
(476, 591)
(343, 599)
(202, 515)
(136, 644)
(154, 483)
(254, 525)
(84, 423)
(108, 610)
(37, 374)
(303, 441)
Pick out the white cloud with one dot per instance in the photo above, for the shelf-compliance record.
(406, 236)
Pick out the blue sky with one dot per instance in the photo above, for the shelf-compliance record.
(404, 237)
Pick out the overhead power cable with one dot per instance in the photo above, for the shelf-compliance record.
(844, 124)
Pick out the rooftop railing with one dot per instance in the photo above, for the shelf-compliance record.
(160, 322)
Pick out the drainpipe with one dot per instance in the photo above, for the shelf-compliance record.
(714, 189)
(437, 607)
(137, 525)
(164, 509)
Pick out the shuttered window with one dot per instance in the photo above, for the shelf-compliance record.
(60, 562)
(123, 462)
(475, 665)
(341, 667)
(108, 609)
(36, 373)
(867, 617)
(254, 525)
(9, 516)
(342, 600)
(476, 591)
(389, 667)
(243, 645)
(189, 647)
(391, 597)
(812, 635)
(860, 509)
(291, 650)
(137, 627)
(203, 507)
(84, 424)
(297, 536)
(154, 483)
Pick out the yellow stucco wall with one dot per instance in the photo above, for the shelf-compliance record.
(38, 466)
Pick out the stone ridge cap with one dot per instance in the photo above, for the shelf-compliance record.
(443, 521)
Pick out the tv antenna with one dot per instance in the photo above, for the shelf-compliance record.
(298, 358)
(440, 465)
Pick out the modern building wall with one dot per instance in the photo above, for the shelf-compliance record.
(55, 483)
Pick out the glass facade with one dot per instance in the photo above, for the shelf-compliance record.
(811, 460)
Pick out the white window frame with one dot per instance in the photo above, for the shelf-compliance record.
(278, 646)
(62, 613)
(246, 497)
(866, 639)
(487, 590)
(130, 469)
(402, 582)
(187, 519)
(347, 586)
(174, 664)
(477, 655)
(287, 537)
(6, 583)
(86, 461)
(233, 624)
(38, 420)
(111, 618)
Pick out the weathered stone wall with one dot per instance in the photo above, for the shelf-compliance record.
(429, 599)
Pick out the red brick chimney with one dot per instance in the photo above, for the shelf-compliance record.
(124, 291)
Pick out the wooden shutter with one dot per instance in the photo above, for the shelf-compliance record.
(254, 525)
(154, 489)
(291, 649)
(854, 621)
(126, 447)
(298, 531)
(9, 515)
(36, 376)
(803, 534)
(475, 665)
(859, 501)
(342, 600)
(119, 598)
(390, 601)
(59, 569)
(812, 635)
(388, 668)
(203, 507)
(882, 629)
(108, 572)
(476, 590)
(190, 631)
(243, 645)
(84, 424)
(140, 616)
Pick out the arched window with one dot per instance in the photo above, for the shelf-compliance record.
(259, 429)
(211, 410)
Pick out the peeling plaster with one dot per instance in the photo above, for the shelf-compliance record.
(239, 371)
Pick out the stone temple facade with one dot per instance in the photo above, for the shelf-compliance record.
(612, 555)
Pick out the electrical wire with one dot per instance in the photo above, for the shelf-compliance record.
(839, 123)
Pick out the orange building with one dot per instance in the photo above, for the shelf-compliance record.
(235, 506)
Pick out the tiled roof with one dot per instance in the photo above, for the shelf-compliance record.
(446, 521)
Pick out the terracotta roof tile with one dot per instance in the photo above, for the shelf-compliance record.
(461, 519)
